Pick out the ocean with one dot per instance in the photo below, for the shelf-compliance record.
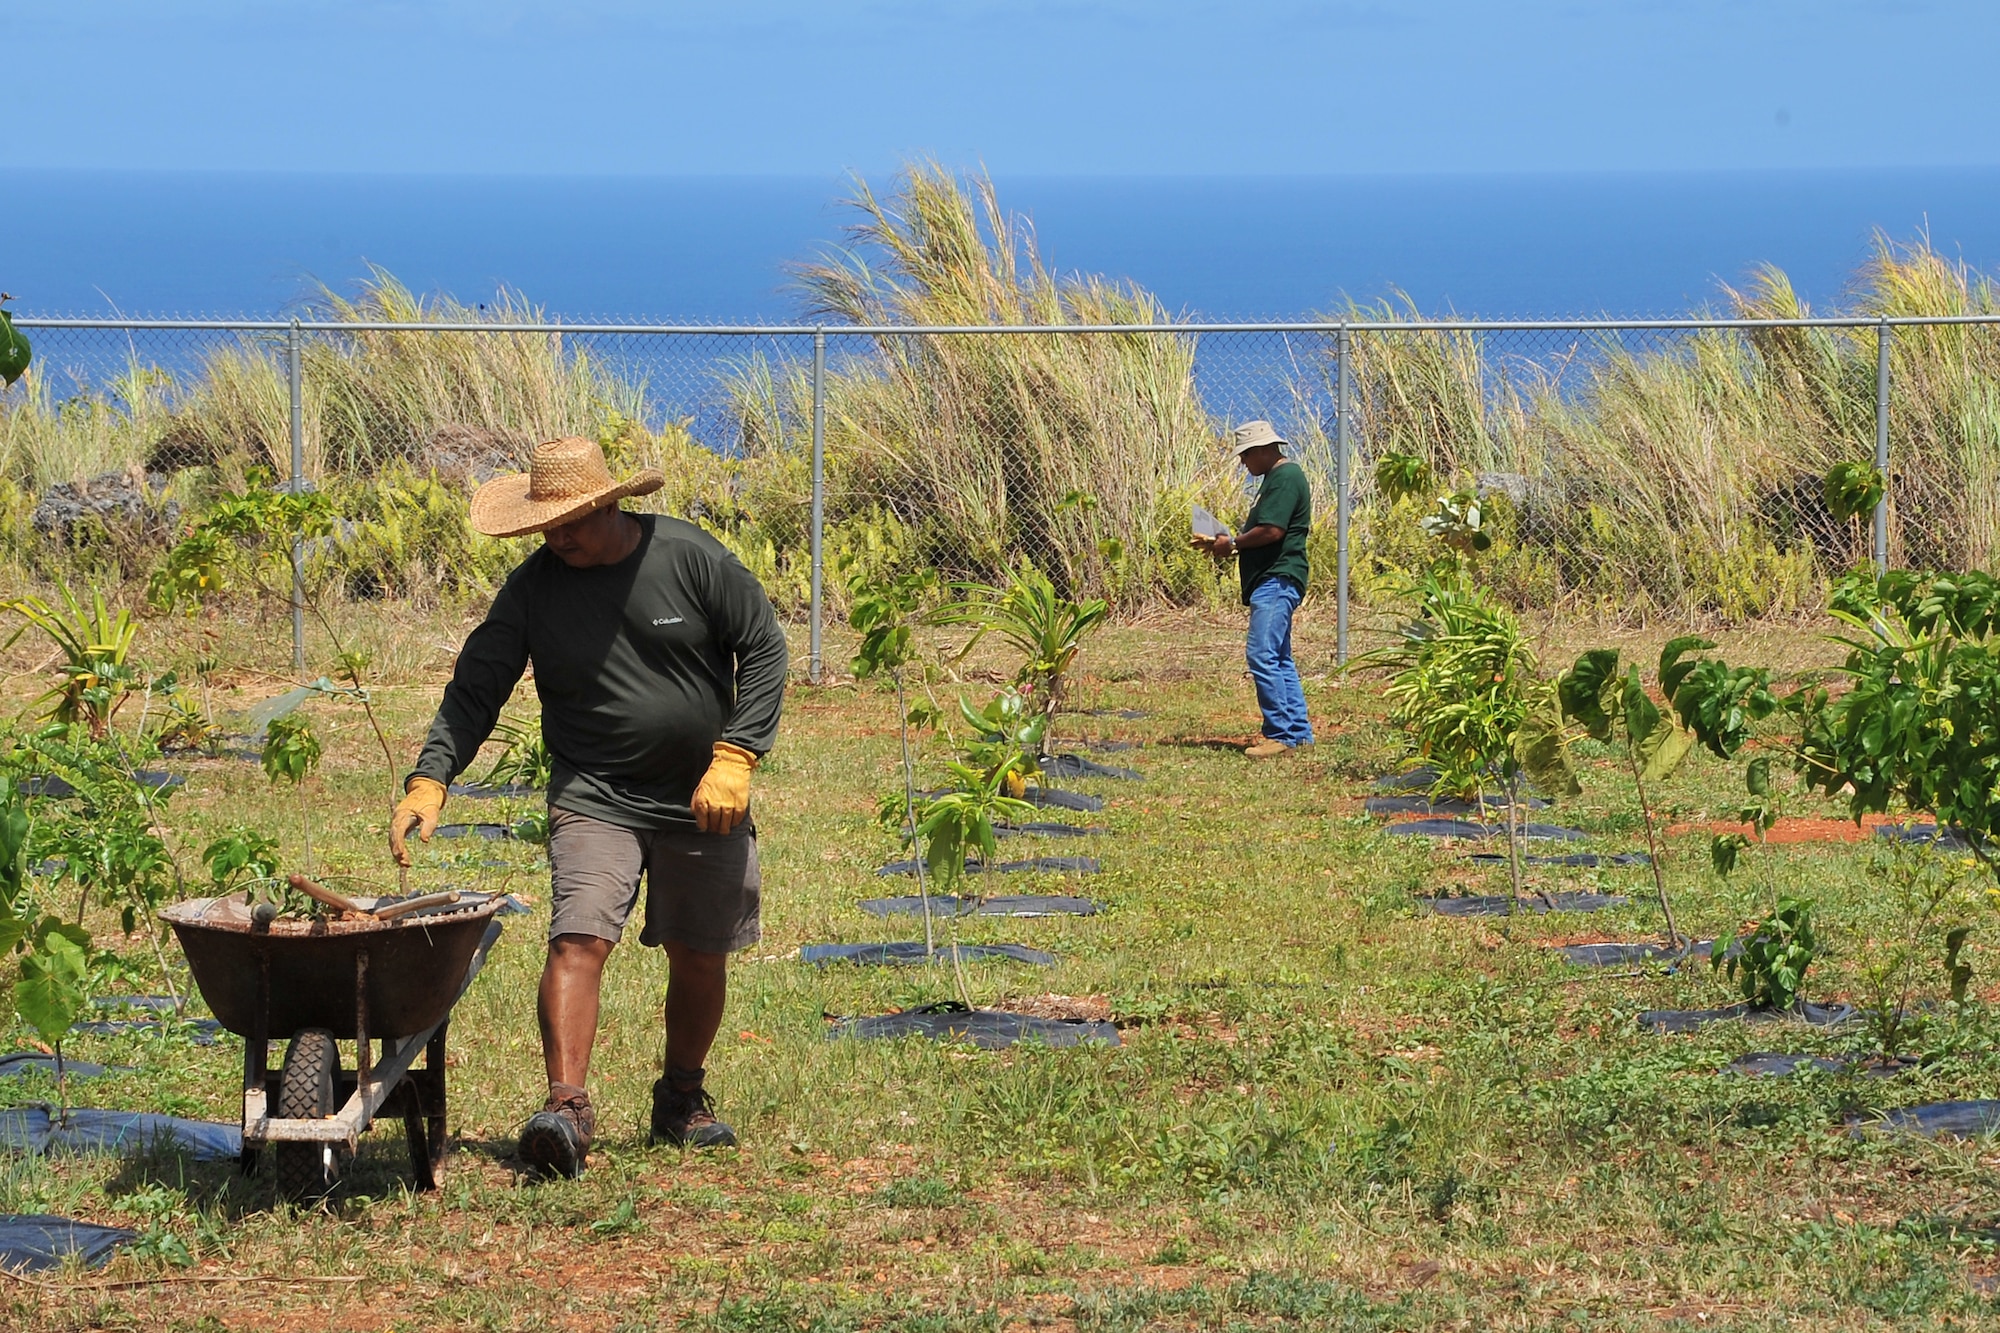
(715, 250)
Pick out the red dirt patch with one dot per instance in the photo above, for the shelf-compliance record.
(1789, 832)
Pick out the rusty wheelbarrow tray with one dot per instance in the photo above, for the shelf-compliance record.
(322, 982)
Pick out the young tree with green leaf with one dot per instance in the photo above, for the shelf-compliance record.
(291, 753)
(887, 612)
(1715, 708)
(1469, 689)
(1046, 628)
(953, 826)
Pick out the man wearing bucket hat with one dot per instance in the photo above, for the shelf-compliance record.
(661, 669)
(1271, 562)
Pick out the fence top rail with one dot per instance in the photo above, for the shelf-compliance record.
(931, 330)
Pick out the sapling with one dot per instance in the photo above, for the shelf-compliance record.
(291, 753)
(886, 613)
(1715, 708)
(52, 956)
(1046, 628)
(1469, 690)
(959, 822)
(1932, 904)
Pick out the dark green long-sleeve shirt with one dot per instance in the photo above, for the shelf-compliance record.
(641, 667)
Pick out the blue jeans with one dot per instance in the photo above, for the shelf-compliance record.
(1269, 653)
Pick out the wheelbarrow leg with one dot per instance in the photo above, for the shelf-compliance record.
(256, 1056)
(424, 1115)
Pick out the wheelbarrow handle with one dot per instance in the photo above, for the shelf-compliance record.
(326, 895)
(391, 911)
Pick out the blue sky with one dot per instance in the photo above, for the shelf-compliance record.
(1091, 87)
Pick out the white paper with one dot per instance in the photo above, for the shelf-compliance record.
(1206, 524)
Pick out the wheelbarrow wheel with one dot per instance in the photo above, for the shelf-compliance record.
(309, 1172)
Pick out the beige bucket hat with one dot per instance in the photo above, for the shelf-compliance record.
(565, 480)
(1251, 434)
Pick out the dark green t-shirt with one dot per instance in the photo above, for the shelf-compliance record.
(1285, 502)
(641, 667)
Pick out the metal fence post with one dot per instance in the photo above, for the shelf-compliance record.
(1341, 502)
(295, 485)
(1883, 333)
(818, 504)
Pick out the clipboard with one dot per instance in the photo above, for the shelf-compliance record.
(1207, 524)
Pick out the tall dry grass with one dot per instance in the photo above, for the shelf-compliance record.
(1080, 452)
(1681, 472)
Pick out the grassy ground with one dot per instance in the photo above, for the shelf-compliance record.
(1331, 1108)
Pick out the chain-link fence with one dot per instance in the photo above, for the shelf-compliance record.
(1675, 465)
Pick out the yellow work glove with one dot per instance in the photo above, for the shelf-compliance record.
(723, 798)
(422, 801)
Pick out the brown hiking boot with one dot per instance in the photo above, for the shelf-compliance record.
(556, 1139)
(684, 1113)
(1267, 749)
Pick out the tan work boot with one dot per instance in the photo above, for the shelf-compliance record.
(1267, 749)
(556, 1139)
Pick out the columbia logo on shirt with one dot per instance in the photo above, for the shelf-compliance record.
(668, 620)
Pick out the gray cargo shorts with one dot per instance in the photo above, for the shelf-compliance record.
(703, 890)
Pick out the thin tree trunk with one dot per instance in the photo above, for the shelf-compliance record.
(910, 812)
(1653, 849)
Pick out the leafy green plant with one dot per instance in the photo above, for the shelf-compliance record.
(253, 535)
(1006, 740)
(1458, 523)
(52, 956)
(15, 351)
(1401, 476)
(1924, 955)
(952, 826)
(1046, 628)
(1853, 490)
(96, 645)
(291, 753)
(1770, 965)
(1468, 689)
(241, 853)
(524, 759)
(1608, 704)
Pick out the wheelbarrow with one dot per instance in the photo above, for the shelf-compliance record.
(322, 982)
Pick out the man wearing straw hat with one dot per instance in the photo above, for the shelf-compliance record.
(1271, 562)
(661, 669)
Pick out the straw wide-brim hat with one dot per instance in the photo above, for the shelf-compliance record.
(1252, 434)
(565, 480)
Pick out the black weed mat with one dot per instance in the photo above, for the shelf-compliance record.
(1575, 860)
(1688, 1020)
(25, 1062)
(1046, 829)
(1964, 1120)
(1421, 778)
(988, 1029)
(200, 1031)
(1076, 766)
(1046, 865)
(1050, 798)
(1122, 714)
(38, 1242)
(999, 904)
(480, 791)
(49, 784)
(1618, 953)
(33, 1129)
(1450, 805)
(1496, 904)
(490, 832)
(1950, 840)
(1464, 828)
(1110, 746)
(906, 953)
(1779, 1064)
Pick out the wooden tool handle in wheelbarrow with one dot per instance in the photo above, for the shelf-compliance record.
(323, 894)
(390, 911)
